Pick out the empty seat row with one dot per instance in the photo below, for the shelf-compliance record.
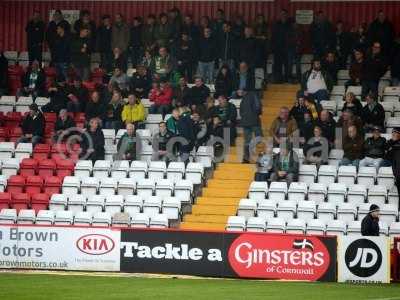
(307, 210)
(309, 227)
(48, 217)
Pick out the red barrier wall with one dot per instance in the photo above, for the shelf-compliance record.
(14, 14)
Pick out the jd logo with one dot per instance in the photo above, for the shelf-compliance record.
(363, 258)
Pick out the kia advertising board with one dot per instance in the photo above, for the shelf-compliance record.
(229, 254)
(59, 248)
(364, 259)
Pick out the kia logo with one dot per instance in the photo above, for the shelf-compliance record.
(363, 258)
(95, 244)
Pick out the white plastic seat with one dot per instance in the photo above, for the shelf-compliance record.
(109, 136)
(236, 223)
(308, 173)
(164, 188)
(171, 207)
(276, 225)
(83, 218)
(385, 177)
(157, 170)
(119, 134)
(363, 210)
(297, 191)
(83, 168)
(377, 195)
(306, 210)
(101, 219)
(6, 150)
(347, 212)
(145, 135)
(89, 185)
(247, 208)
(347, 175)
(3, 182)
(159, 221)
(326, 211)
(22, 104)
(101, 168)
(366, 176)
(183, 190)
(108, 186)
(316, 227)
(388, 106)
(41, 101)
(296, 226)
(126, 186)
(23, 150)
(394, 229)
(317, 192)
(175, 171)
(329, 105)
(10, 167)
(152, 121)
(8, 216)
(138, 169)
(63, 217)
(121, 220)
(110, 152)
(256, 224)
(140, 220)
(145, 187)
(356, 90)
(205, 156)
(45, 217)
(152, 205)
(336, 227)
(266, 209)
(356, 194)
(120, 169)
(383, 228)
(335, 156)
(286, 210)
(336, 193)
(392, 123)
(194, 172)
(327, 174)
(76, 202)
(71, 185)
(393, 196)
(58, 202)
(114, 204)
(95, 203)
(277, 191)
(354, 228)
(133, 204)
(7, 104)
(388, 213)
(258, 190)
(338, 90)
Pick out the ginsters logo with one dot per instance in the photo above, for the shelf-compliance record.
(95, 244)
(284, 257)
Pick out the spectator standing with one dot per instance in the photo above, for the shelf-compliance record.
(163, 32)
(61, 52)
(81, 52)
(353, 147)
(393, 155)
(250, 112)
(185, 56)
(395, 64)
(92, 143)
(32, 126)
(285, 165)
(342, 44)
(51, 32)
(207, 55)
(375, 68)
(283, 127)
(120, 34)
(374, 150)
(63, 126)
(35, 30)
(133, 112)
(3, 74)
(322, 34)
(148, 34)
(248, 50)
(84, 22)
(162, 99)
(191, 29)
(372, 114)
(224, 82)
(104, 34)
(135, 41)
(381, 30)
(357, 69)
(262, 35)
(359, 37)
(331, 65)
(227, 45)
(316, 82)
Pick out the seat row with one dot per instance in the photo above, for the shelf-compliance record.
(309, 227)
(307, 210)
(103, 219)
(335, 193)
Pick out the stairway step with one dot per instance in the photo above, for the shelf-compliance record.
(220, 219)
(223, 210)
(217, 201)
(218, 174)
(224, 191)
(231, 184)
(202, 226)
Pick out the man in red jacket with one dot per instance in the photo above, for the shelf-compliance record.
(161, 96)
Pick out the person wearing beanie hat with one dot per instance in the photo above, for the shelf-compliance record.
(370, 223)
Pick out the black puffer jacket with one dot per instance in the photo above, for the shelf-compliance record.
(375, 148)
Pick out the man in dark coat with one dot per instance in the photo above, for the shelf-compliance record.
(33, 82)
(93, 142)
(63, 124)
(372, 114)
(227, 46)
(375, 68)
(321, 34)
(381, 30)
(61, 52)
(248, 48)
(250, 112)
(198, 93)
(104, 42)
(141, 82)
(370, 223)
(135, 41)
(51, 33)
(84, 21)
(244, 80)
(32, 126)
(393, 156)
(80, 53)
(3, 74)
(35, 37)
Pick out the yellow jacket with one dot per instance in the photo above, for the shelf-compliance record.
(133, 113)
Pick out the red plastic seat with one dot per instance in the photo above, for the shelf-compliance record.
(20, 201)
(39, 202)
(5, 199)
(41, 151)
(13, 119)
(52, 185)
(65, 167)
(91, 86)
(34, 185)
(46, 168)
(3, 133)
(80, 117)
(28, 167)
(98, 75)
(15, 134)
(16, 184)
(50, 117)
